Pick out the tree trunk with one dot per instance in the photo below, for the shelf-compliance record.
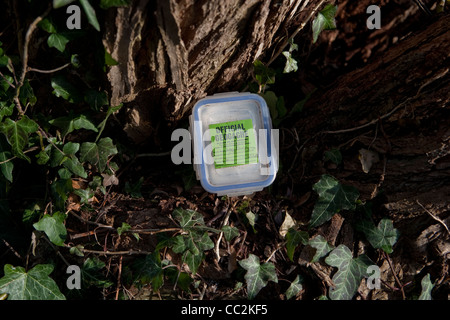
(398, 108)
(172, 53)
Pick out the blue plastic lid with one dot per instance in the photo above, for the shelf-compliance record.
(235, 147)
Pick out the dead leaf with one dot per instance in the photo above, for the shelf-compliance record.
(78, 184)
(109, 180)
(368, 158)
(73, 202)
(287, 224)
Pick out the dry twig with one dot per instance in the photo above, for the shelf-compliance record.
(433, 216)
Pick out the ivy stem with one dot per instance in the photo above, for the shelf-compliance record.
(107, 252)
(7, 81)
(224, 223)
(49, 71)
(42, 132)
(26, 151)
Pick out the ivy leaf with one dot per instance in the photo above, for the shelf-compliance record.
(427, 286)
(42, 157)
(26, 94)
(197, 241)
(192, 245)
(291, 63)
(322, 247)
(350, 272)
(57, 41)
(124, 228)
(382, 237)
(64, 173)
(109, 60)
(193, 260)
(334, 155)
(60, 189)
(96, 99)
(17, 132)
(61, 3)
(78, 250)
(69, 123)
(251, 218)
(47, 25)
(74, 165)
(5, 84)
(6, 111)
(64, 89)
(98, 153)
(68, 159)
(149, 270)
(276, 106)
(92, 275)
(134, 190)
(230, 232)
(264, 75)
(85, 195)
(187, 218)
(178, 245)
(75, 60)
(90, 13)
(281, 108)
(181, 279)
(271, 99)
(293, 239)
(324, 21)
(333, 197)
(54, 227)
(294, 288)
(70, 148)
(257, 275)
(32, 285)
(5, 154)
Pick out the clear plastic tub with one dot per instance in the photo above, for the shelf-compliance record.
(235, 147)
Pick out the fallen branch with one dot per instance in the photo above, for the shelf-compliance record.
(107, 252)
(101, 225)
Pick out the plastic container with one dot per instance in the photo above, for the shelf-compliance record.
(234, 145)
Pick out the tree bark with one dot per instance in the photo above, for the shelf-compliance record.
(172, 53)
(397, 106)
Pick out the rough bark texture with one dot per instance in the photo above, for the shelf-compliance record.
(171, 53)
(399, 107)
(407, 88)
